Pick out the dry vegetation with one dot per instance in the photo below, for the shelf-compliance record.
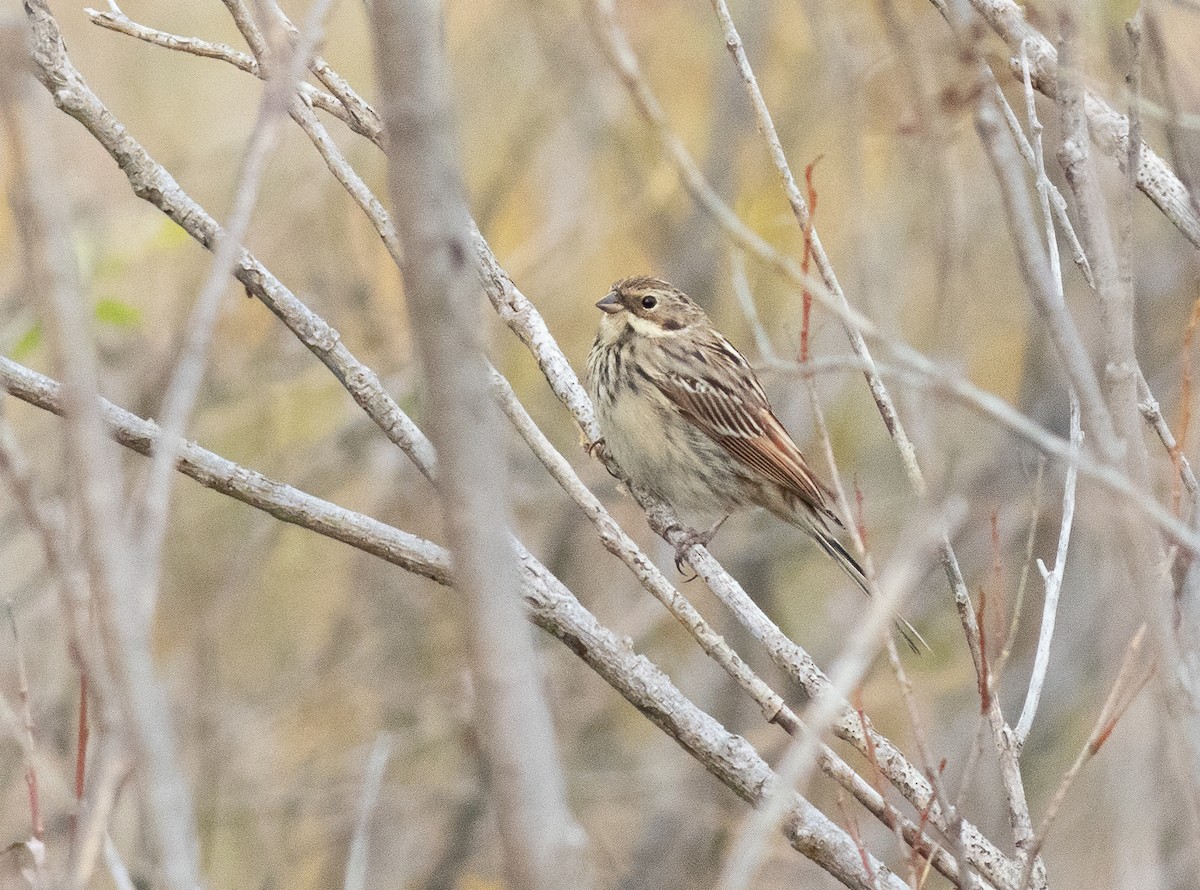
(282, 687)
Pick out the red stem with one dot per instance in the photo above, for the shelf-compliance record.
(806, 298)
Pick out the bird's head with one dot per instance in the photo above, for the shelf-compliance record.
(651, 306)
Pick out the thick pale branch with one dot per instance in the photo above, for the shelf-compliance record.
(212, 471)
(551, 606)
(1109, 129)
(524, 320)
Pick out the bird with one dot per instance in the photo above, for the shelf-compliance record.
(684, 416)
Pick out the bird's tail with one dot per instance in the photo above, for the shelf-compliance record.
(839, 554)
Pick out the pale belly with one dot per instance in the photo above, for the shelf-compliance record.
(662, 452)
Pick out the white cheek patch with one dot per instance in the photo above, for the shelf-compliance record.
(647, 328)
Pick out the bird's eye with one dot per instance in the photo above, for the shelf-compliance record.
(649, 302)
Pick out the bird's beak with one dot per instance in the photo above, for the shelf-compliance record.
(610, 304)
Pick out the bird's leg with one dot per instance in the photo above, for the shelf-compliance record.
(692, 536)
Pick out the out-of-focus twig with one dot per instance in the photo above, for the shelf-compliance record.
(356, 862)
(544, 846)
(37, 826)
(1034, 263)
(120, 23)
(1035, 511)
(116, 866)
(1128, 683)
(135, 690)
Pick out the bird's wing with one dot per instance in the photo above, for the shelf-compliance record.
(716, 389)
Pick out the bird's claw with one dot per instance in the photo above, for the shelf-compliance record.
(599, 451)
(687, 539)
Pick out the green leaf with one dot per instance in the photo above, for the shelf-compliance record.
(112, 311)
(27, 343)
(169, 235)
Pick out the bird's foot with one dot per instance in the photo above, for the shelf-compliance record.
(691, 537)
(599, 451)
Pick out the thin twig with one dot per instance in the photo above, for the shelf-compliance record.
(118, 22)
(800, 209)
(1035, 510)
(1057, 202)
(741, 289)
(1053, 579)
(1043, 287)
(38, 828)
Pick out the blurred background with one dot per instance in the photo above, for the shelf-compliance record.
(287, 655)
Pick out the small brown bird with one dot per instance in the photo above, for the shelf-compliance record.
(685, 417)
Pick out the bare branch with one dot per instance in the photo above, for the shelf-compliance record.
(1044, 292)
(1125, 690)
(116, 21)
(184, 386)
(1109, 130)
(551, 606)
(281, 501)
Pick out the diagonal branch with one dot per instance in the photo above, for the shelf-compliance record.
(551, 606)
(524, 320)
(188, 375)
(1108, 128)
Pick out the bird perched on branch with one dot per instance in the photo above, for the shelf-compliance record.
(684, 415)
